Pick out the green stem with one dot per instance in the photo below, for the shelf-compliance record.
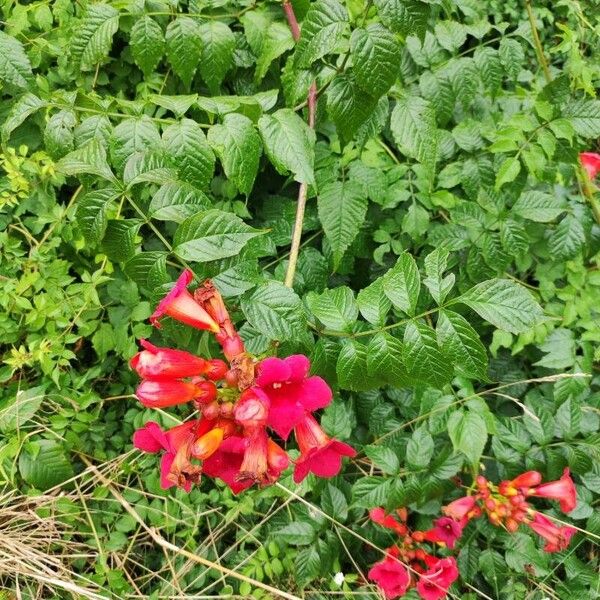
(539, 50)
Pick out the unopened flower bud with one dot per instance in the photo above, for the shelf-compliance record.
(207, 444)
(211, 411)
(216, 369)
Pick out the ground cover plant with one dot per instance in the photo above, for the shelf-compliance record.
(299, 299)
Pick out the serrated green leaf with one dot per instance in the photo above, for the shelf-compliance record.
(468, 433)
(383, 458)
(406, 17)
(351, 367)
(371, 491)
(95, 127)
(49, 467)
(212, 235)
(176, 201)
(297, 533)
(584, 116)
(289, 144)
(419, 449)
(402, 284)
(511, 56)
(504, 303)
(90, 158)
(460, 342)
(435, 265)
(373, 304)
(16, 411)
(147, 42)
(334, 502)
(119, 240)
(508, 171)
(178, 105)
(450, 35)
(342, 208)
(375, 57)
(218, 44)
(414, 129)
(336, 308)
(348, 105)
(148, 166)
(238, 146)
(422, 356)
(567, 239)
(58, 134)
(322, 30)
(276, 311)
(24, 107)
(148, 269)
(93, 36)
(186, 143)
(15, 68)
(385, 362)
(308, 565)
(184, 47)
(130, 136)
(91, 213)
(539, 206)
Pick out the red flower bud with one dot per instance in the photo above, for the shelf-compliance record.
(216, 369)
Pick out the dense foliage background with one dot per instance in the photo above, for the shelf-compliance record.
(445, 206)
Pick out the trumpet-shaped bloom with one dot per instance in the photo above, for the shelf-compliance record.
(165, 363)
(445, 530)
(557, 538)
(162, 393)
(434, 583)
(562, 490)
(319, 453)
(225, 463)
(591, 163)
(290, 391)
(391, 576)
(460, 508)
(521, 483)
(180, 305)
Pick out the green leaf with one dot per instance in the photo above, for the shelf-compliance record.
(351, 367)
(308, 565)
(468, 433)
(178, 105)
(334, 502)
(15, 68)
(435, 265)
(375, 57)
(384, 458)
(450, 35)
(460, 342)
(95, 127)
(371, 491)
(147, 43)
(402, 284)
(90, 158)
(414, 129)
(504, 303)
(133, 135)
(23, 108)
(342, 208)
(44, 464)
(268, 40)
(406, 17)
(176, 201)
(422, 356)
(184, 47)
(338, 419)
(584, 116)
(58, 134)
(186, 143)
(212, 235)
(289, 144)
(511, 56)
(238, 146)
(336, 308)
(148, 269)
(296, 533)
(508, 171)
(148, 166)
(16, 411)
(322, 30)
(373, 304)
(384, 360)
(93, 36)
(218, 45)
(119, 240)
(91, 213)
(567, 239)
(539, 206)
(419, 449)
(348, 105)
(276, 311)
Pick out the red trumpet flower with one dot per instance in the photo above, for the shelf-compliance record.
(591, 163)
(165, 363)
(557, 538)
(562, 490)
(319, 453)
(159, 394)
(460, 508)
(445, 530)
(390, 575)
(180, 305)
(521, 483)
(434, 584)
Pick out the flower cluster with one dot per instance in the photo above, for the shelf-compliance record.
(408, 563)
(505, 505)
(238, 403)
